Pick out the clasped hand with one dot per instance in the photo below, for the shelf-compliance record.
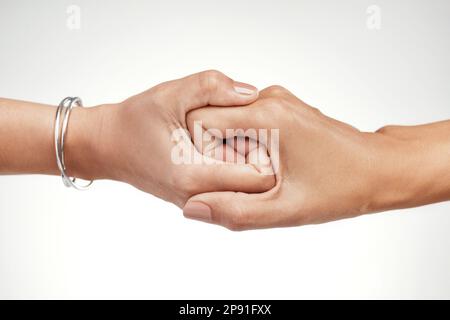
(326, 169)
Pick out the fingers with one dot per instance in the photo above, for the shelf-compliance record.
(211, 143)
(247, 117)
(213, 88)
(260, 159)
(229, 208)
(219, 167)
(238, 211)
(227, 170)
(229, 177)
(266, 112)
(262, 127)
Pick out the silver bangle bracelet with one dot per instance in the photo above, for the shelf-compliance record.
(61, 123)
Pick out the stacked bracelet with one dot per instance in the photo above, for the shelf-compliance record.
(61, 122)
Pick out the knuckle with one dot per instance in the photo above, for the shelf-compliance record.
(276, 90)
(210, 79)
(316, 110)
(276, 107)
(213, 73)
(387, 129)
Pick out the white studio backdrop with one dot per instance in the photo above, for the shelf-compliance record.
(368, 63)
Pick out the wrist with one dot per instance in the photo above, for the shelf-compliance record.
(409, 171)
(389, 179)
(84, 150)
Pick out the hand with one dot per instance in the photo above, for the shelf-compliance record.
(133, 143)
(328, 170)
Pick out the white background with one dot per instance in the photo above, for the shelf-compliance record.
(116, 242)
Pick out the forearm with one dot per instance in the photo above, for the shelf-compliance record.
(415, 164)
(27, 140)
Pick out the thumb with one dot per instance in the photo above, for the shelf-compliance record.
(237, 211)
(213, 88)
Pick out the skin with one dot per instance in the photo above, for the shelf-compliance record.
(328, 170)
(131, 141)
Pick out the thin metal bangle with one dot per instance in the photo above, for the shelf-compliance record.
(63, 112)
(61, 108)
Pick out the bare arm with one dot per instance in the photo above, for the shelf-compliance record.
(417, 169)
(26, 139)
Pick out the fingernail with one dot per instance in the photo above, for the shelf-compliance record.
(197, 211)
(244, 88)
